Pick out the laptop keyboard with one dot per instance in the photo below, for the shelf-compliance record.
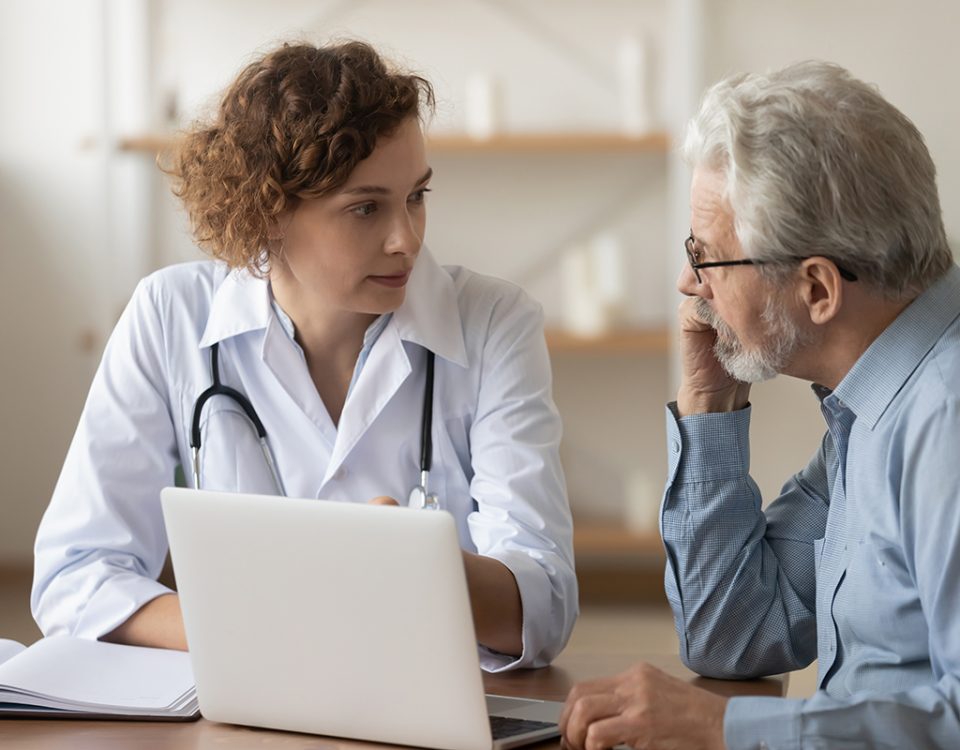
(505, 726)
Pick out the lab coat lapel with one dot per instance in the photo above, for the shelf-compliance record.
(429, 317)
(284, 359)
(385, 370)
(430, 314)
(241, 304)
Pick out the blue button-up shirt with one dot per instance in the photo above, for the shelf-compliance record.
(856, 563)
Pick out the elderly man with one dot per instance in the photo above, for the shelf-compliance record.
(816, 250)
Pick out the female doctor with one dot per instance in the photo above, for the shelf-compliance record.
(322, 310)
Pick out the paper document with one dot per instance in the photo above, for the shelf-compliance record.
(66, 674)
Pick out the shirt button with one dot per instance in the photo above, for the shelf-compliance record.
(340, 473)
(675, 446)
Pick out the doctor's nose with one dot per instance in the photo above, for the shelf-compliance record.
(405, 238)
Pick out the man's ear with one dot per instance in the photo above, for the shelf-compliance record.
(821, 289)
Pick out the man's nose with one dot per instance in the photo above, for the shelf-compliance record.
(687, 283)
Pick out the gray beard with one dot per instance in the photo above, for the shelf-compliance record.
(782, 338)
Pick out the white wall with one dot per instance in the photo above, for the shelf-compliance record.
(51, 245)
(499, 215)
(909, 50)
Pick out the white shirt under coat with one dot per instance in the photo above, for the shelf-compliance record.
(496, 434)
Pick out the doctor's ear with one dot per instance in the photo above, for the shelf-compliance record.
(821, 289)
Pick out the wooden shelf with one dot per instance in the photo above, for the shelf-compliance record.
(617, 565)
(149, 143)
(595, 539)
(657, 142)
(622, 341)
(551, 143)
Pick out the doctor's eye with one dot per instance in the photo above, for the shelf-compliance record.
(419, 196)
(364, 209)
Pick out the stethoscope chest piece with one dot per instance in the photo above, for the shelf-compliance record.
(420, 499)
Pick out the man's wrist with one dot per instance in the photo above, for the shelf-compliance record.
(691, 402)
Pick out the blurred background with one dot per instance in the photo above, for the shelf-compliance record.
(554, 150)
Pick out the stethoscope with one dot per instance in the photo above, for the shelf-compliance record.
(420, 495)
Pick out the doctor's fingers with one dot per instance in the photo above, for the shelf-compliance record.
(585, 712)
(383, 500)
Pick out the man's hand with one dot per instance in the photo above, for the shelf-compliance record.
(643, 708)
(704, 386)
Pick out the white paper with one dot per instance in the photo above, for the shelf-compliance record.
(75, 673)
(9, 649)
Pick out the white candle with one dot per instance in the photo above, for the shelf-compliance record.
(633, 82)
(482, 105)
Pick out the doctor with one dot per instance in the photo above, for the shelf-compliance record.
(321, 310)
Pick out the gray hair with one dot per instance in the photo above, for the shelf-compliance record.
(819, 163)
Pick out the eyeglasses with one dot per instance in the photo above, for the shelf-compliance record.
(693, 255)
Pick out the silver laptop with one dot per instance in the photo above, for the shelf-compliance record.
(336, 619)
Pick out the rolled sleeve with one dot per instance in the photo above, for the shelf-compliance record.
(538, 616)
(114, 602)
(523, 517)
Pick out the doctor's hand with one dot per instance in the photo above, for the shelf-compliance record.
(704, 385)
(643, 708)
(383, 500)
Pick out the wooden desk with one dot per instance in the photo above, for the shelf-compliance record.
(551, 683)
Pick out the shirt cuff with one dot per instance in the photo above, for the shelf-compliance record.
(760, 723)
(708, 447)
(538, 620)
(113, 603)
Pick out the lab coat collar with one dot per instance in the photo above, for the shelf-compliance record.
(240, 304)
(430, 315)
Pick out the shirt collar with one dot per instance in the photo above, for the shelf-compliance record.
(240, 304)
(429, 315)
(883, 369)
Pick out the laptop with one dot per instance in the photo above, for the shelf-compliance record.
(341, 619)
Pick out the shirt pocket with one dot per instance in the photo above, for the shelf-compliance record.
(878, 604)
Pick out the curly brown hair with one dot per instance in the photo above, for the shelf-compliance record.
(292, 126)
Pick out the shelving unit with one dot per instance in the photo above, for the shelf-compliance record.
(618, 341)
(597, 540)
(578, 142)
(618, 565)
(615, 563)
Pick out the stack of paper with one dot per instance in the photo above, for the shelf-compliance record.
(73, 677)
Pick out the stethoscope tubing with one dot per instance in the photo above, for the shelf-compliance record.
(426, 426)
(218, 389)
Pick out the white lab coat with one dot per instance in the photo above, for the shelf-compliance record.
(496, 434)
